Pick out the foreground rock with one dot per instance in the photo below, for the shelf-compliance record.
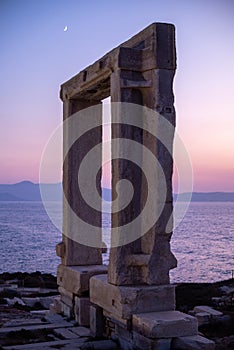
(213, 306)
(27, 323)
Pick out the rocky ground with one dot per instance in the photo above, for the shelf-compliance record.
(25, 319)
(218, 326)
(27, 323)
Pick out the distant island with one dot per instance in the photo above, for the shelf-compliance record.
(207, 197)
(29, 191)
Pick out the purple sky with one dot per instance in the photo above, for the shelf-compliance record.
(37, 55)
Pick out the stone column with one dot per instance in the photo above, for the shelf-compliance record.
(156, 242)
(75, 253)
(79, 261)
(123, 169)
(148, 259)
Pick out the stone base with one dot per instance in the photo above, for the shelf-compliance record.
(82, 306)
(73, 284)
(96, 321)
(123, 301)
(67, 310)
(140, 342)
(122, 343)
(166, 324)
(66, 297)
(113, 313)
(126, 324)
(123, 332)
(75, 279)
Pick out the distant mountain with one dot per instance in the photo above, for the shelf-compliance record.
(196, 196)
(207, 197)
(28, 191)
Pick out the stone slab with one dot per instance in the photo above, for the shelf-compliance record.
(66, 296)
(29, 290)
(6, 330)
(14, 301)
(166, 324)
(65, 333)
(100, 345)
(208, 310)
(41, 313)
(159, 52)
(140, 342)
(47, 301)
(23, 322)
(193, 343)
(58, 319)
(125, 323)
(60, 249)
(123, 301)
(57, 344)
(81, 331)
(75, 279)
(31, 301)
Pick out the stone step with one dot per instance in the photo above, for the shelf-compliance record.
(166, 324)
(208, 310)
(41, 313)
(57, 344)
(80, 331)
(65, 333)
(54, 318)
(140, 342)
(24, 322)
(193, 343)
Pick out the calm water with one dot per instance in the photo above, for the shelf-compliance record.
(203, 243)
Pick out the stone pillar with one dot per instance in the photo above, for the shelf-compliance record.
(79, 261)
(148, 259)
(74, 252)
(119, 271)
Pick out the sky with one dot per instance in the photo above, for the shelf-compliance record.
(38, 55)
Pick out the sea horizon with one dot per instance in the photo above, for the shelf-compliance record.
(203, 242)
(29, 191)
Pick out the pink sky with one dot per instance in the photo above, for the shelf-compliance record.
(37, 56)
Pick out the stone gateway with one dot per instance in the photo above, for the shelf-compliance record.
(132, 298)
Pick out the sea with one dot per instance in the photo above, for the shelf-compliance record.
(203, 243)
